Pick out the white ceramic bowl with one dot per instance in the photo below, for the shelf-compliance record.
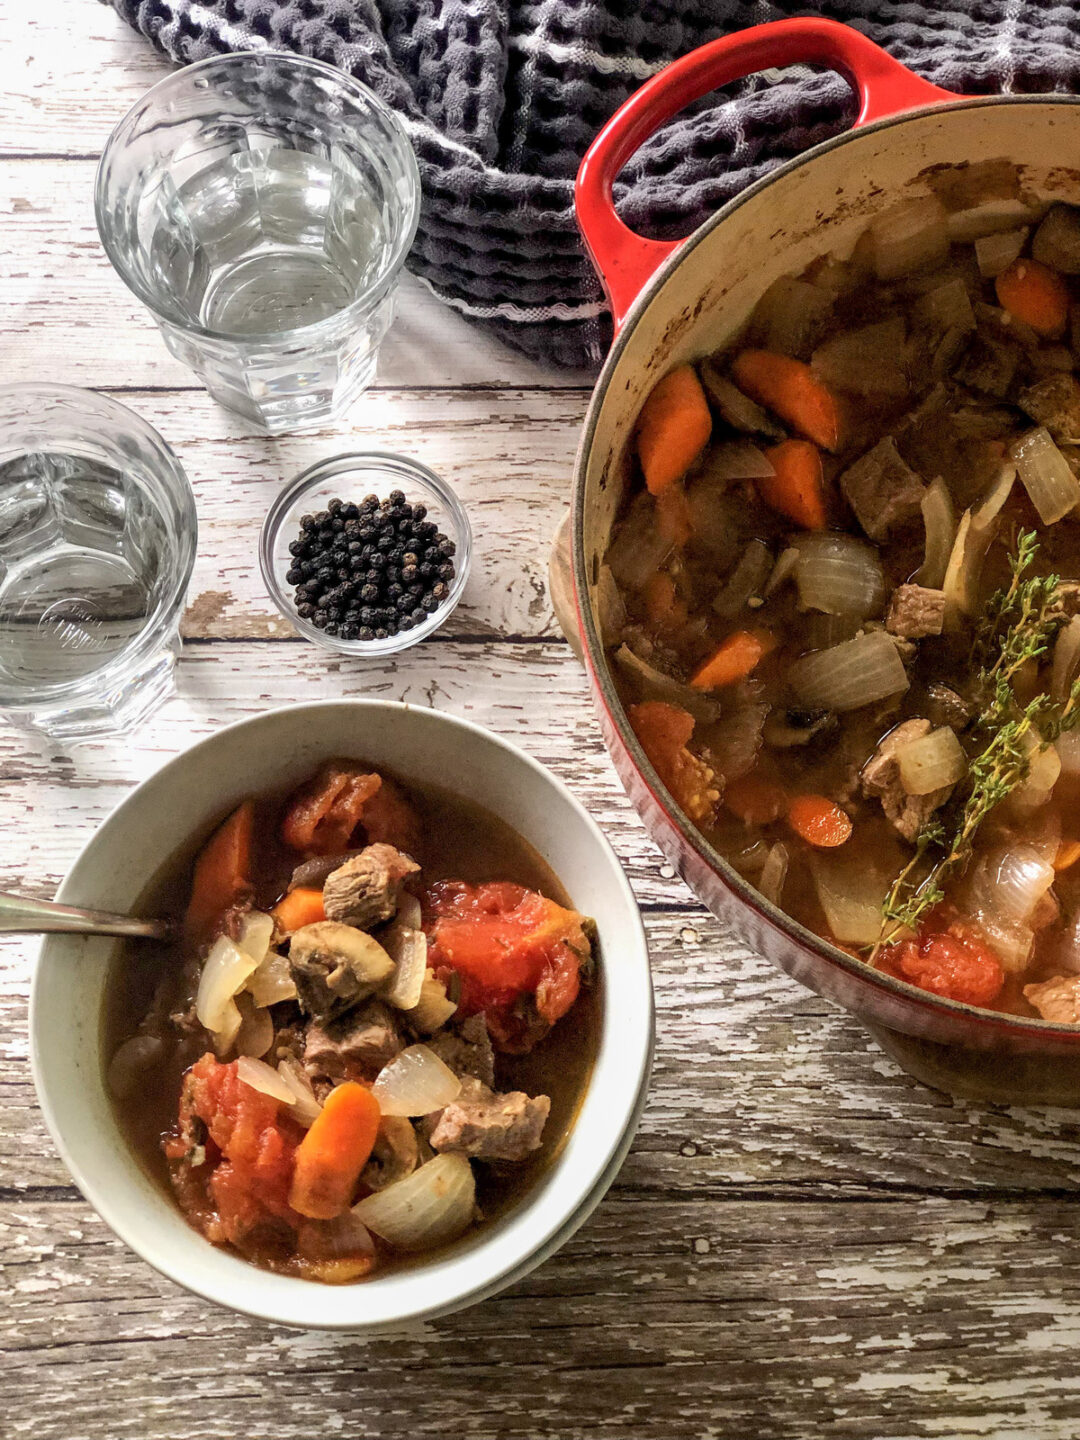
(274, 751)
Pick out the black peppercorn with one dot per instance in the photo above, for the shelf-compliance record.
(294, 576)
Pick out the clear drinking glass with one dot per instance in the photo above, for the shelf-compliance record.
(97, 543)
(262, 205)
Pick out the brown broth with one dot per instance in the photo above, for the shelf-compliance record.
(462, 840)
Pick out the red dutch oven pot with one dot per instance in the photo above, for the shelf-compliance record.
(675, 301)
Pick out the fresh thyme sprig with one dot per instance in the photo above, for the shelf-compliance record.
(1018, 627)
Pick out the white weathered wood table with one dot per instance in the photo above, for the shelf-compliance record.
(802, 1242)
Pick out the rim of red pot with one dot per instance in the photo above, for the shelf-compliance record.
(596, 660)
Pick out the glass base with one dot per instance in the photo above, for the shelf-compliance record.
(114, 712)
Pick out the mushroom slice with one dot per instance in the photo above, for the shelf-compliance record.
(335, 966)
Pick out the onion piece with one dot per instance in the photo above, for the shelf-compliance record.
(638, 549)
(304, 1104)
(263, 1078)
(736, 460)
(855, 673)
(256, 1032)
(415, 1082)
(745, 581)
(735, 408)
(433, 1009)
(790, 316)
(225, 972)
(947, 307)
(784, 567)
(272, 981)
(1045, 473)
(973, 537)
(1010, 940)
(609, 607)
(1009, 882)
(429, 1207)
(1044, 768)
(773, 874)
(839, 575)
(406, 944)
(996, 252)
(256, 932)
(130, 1062)
(851, 891)
(989, 218)
(939, 518)
(908, 237)
(932, 762)
(335, 1251)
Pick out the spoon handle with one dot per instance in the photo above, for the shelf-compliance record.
(19, 914)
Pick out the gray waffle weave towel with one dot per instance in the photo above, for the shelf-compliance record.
(501, 98)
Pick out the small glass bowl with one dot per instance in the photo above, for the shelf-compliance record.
(349, 478)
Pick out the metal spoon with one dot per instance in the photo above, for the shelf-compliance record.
(19, 914)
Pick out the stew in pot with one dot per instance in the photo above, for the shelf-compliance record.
(842, 602)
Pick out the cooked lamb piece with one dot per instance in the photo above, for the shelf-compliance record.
(884, 492)
(357, 1045)
(395, 1154)
(489, 1126)
(334, 967)
(945, 707)
(915, 611)
(1057, 999)
(1057, 240)
(1055, 404)
(881, 778)
(467, 1050)
(364, 891)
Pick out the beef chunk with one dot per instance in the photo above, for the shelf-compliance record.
(1057, 999)
(334, 967)
(945, 707)
(364, 891)
(884, 492)
(990, 366)
(467, 1050)
(1055, 404)
(881, 778)
(488, 1126)
(915, 611)
(356, 1046)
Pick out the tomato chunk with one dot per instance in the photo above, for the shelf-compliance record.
(955, 967)
(323, 814)
(506, 942)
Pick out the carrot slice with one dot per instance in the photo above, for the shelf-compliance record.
(299, 908)
(734, 659)
(222, 874)
(791, 390)
(797, 490)
(1035, 294)
(673, 428)
(334, 1151)
(756, 800)
(1068, 854)
(673, 515)
(819, 821)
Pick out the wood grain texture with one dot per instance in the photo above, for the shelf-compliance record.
(802, 1241)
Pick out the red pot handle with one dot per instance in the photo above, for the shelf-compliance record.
(626, 262)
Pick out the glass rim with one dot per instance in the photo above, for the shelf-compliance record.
(361, 461)
(182, 551)
(343, 81)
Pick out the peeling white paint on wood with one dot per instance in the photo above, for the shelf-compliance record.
(802, 1241)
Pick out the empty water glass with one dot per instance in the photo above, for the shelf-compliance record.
(262, 205)
(97, 543)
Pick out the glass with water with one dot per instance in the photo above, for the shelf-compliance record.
(97, 544)
(262, 206)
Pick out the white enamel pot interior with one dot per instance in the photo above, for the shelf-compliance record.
(185, 799)
(697, 302)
